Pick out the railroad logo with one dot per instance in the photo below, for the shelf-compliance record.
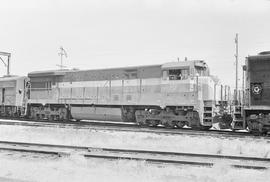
(257, 89)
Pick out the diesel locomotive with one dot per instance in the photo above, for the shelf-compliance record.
(173, 94)
(256, 103)
(13, 96)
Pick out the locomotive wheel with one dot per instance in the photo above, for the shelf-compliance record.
(170, 124)
(206, 127)
(142, 122)
(256, 128)
(180, 124)
(153, 123)
(51, 118)
(37, 117)
(253, 126)
(253, 131)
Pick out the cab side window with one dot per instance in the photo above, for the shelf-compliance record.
(178, 74)
(165, 75)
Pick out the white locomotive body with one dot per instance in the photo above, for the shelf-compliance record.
(172, 94)
(13, 96)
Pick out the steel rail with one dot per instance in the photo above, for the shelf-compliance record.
(208, 164)
(132, 128)
(127, 154)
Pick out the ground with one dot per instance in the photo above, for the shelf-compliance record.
(21, 167)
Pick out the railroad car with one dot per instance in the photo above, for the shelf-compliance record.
(256, 110)
(173, 94)
(13, 96)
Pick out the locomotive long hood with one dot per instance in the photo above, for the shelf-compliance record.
(47, 73)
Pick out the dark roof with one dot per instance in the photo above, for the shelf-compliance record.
(259, 57)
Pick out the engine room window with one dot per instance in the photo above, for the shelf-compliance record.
(37, 85)
(41, 85)
(178, 74)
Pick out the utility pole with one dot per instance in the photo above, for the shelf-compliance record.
(236, 68)
(61, 54)
(8, 61)
(243, 87)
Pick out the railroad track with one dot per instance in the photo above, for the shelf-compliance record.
(130, 127)
(156, 157)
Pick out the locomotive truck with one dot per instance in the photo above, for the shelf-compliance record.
(173, 94)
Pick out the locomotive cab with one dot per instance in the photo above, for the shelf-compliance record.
(184, 70)
(189, 87)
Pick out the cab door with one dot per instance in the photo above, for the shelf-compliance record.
(3, 95)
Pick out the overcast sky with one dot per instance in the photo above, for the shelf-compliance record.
(117, 33)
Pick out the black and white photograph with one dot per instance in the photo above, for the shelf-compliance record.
(134, 90)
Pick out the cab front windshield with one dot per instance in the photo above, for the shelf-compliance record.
(201, 71)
